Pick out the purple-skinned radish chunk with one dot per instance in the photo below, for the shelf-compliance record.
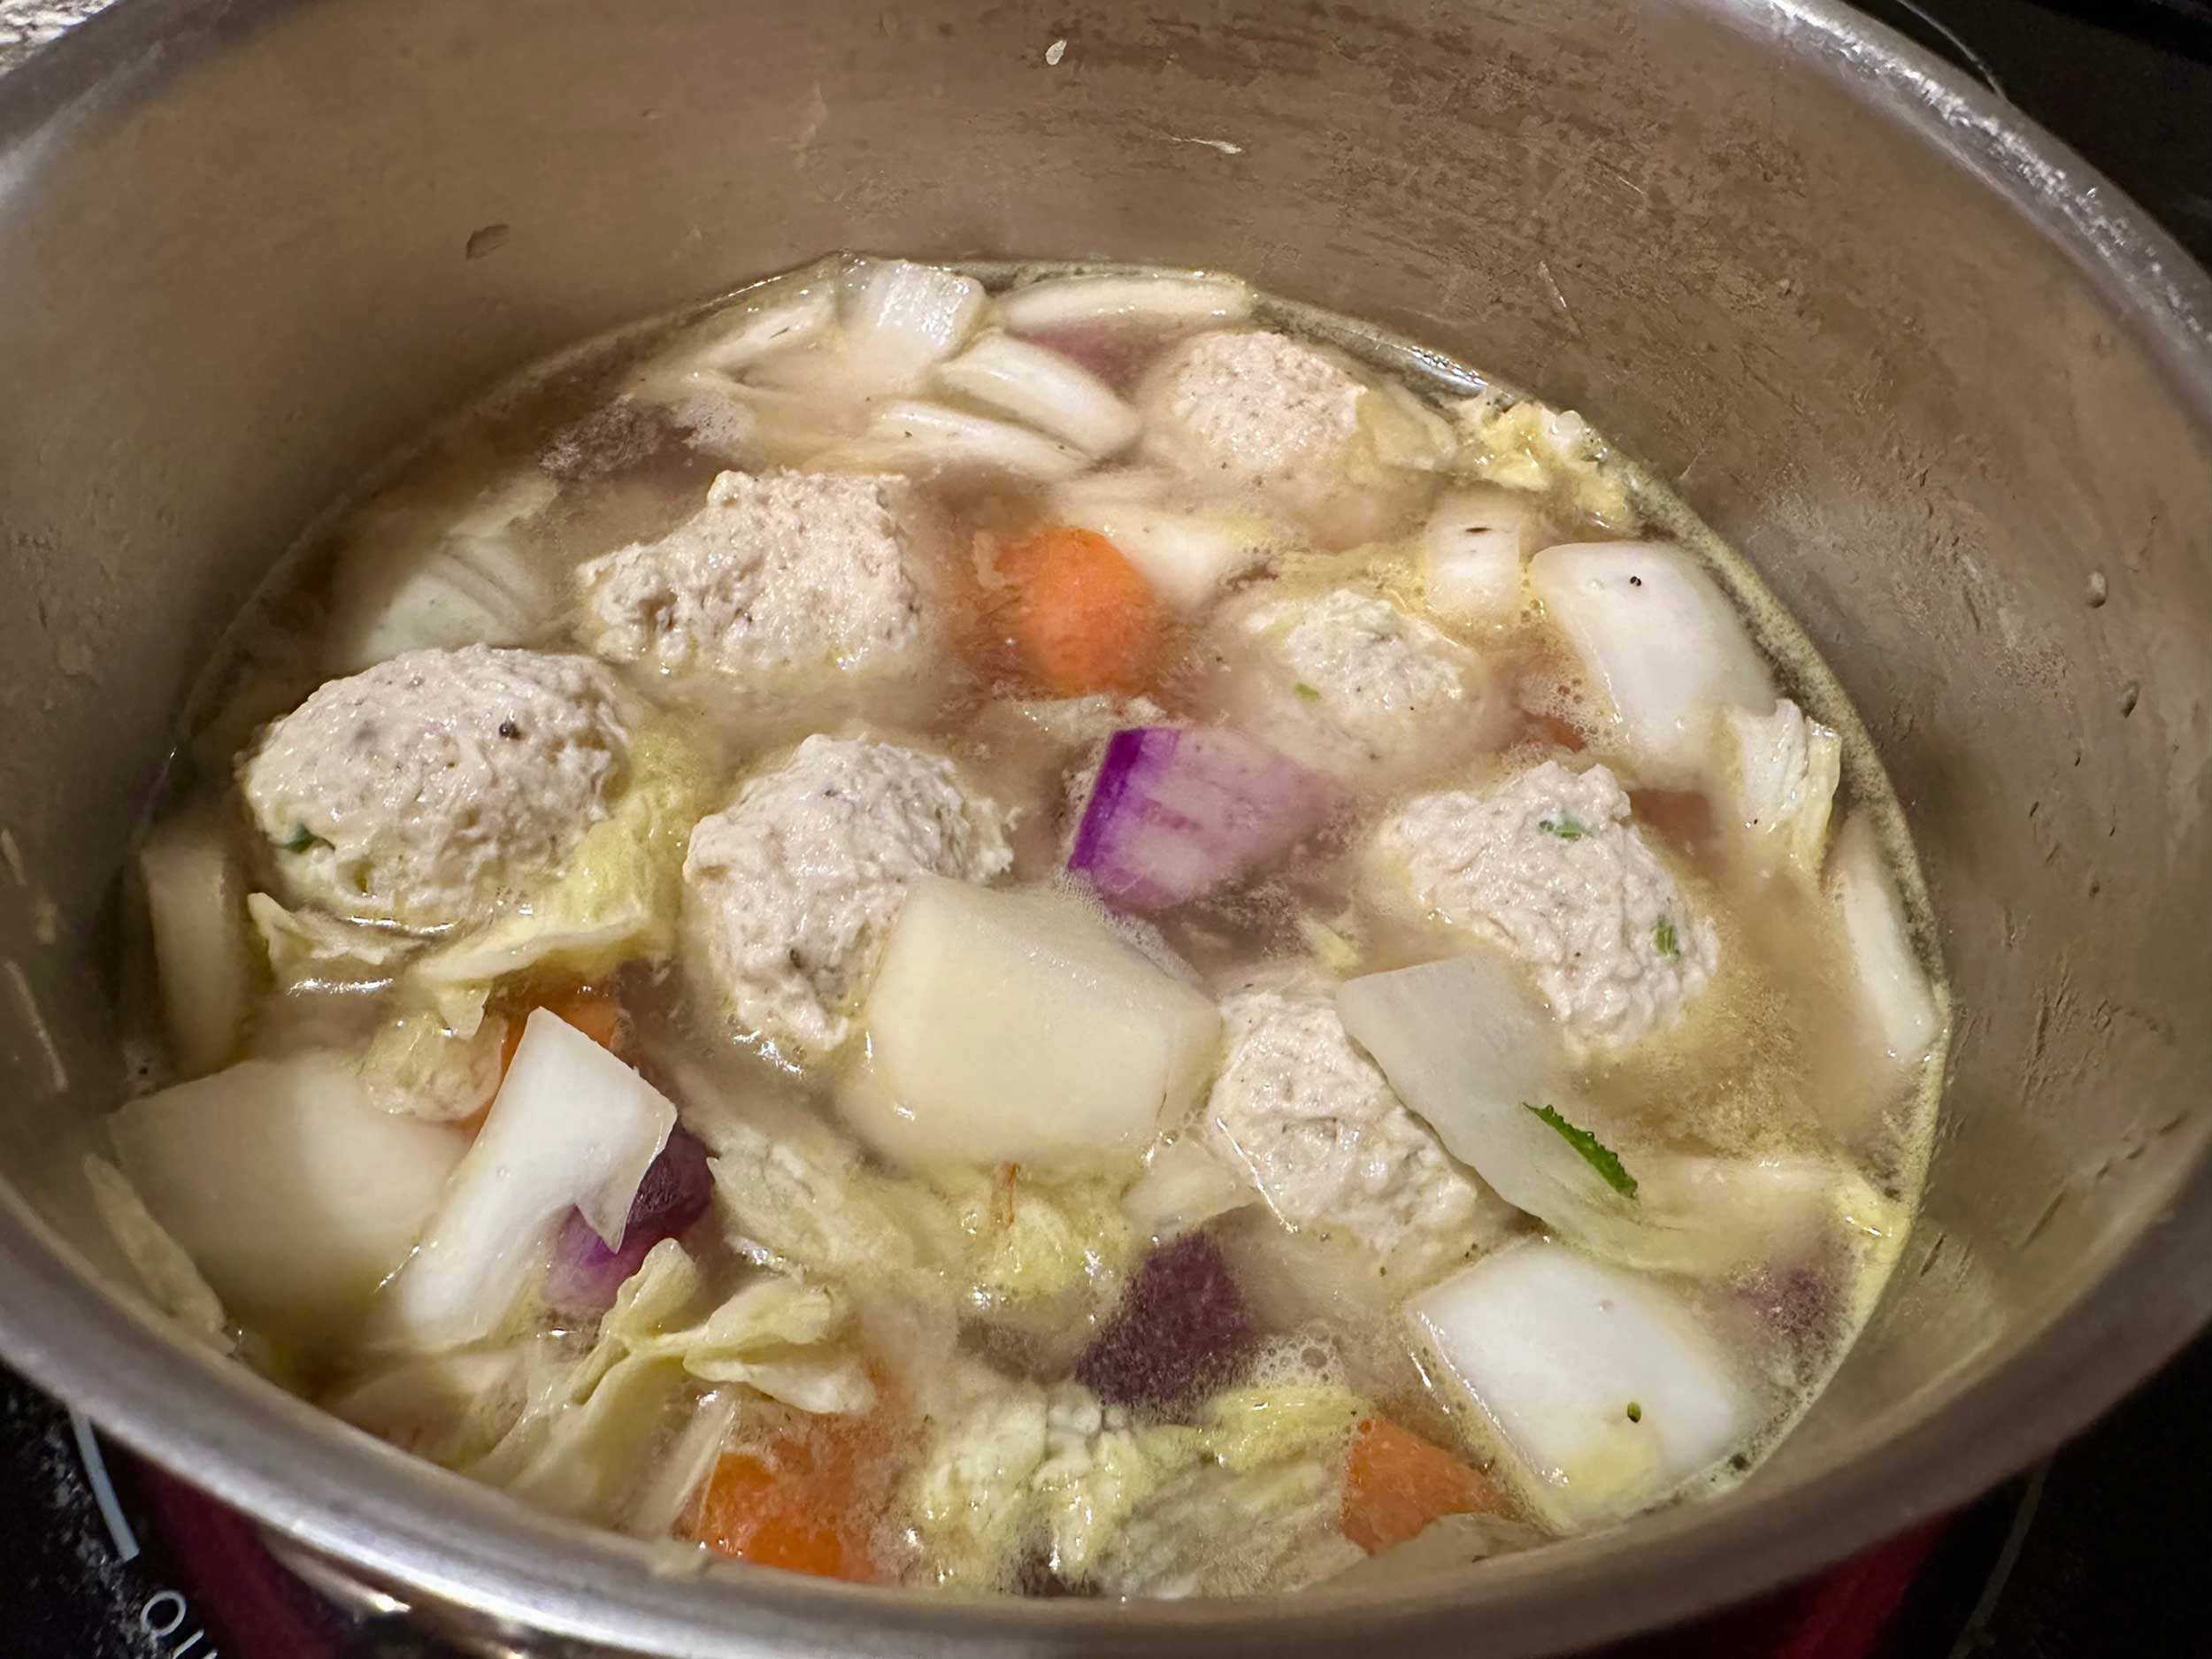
(1181, 1332)
(1178, 812)
(587, 1272)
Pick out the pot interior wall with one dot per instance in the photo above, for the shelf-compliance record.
(241, 270)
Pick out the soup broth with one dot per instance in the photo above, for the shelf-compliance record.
(1032, 929)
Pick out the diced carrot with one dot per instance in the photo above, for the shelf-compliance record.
(1396, 1483)
(805, 1502)
(593, 1011)
(1079, 616)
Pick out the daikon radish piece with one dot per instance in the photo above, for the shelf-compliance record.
(1661, 640)
(293, 1195)
(1019, 1028)
(902, 318)
(1473, 550)
(1604, 1392)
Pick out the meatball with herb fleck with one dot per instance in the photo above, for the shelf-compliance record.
(422, 792)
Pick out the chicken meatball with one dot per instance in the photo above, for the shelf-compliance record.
(1327, 1142)
(423, 791)
(1254, 408)
(779, 575)
(1551, 866)
(789, 891)
(1352, 685)
(1267, 419)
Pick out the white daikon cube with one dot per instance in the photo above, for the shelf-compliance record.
(1662, 641)
(1603, 1392)
(1473, 549)
(291, 1193)
(1021, 1028)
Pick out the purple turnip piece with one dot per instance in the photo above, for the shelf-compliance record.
(585, 1272)
(1181, 1332)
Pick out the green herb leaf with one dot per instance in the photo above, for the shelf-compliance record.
(1668, 942)
(301, 839)
(1311, 694)
(1594, 1152)
(1566, 828)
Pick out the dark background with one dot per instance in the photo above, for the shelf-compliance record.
(2096, 1554)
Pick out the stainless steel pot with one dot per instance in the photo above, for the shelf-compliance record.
(1948, 390)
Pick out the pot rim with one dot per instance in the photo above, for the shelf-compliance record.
(422, 1531)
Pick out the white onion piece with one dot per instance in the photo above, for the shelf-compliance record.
(1473, 549)
(1058, 301)
(1661, 638)
(473, 585)
(1186, 556)
(1019, 1028)
(196, 895)
(1186, 1184)
(762, 326)
(1785, 769)
(571, 1127)
(902, 317)
(660, 1508)
(292, 1193)
(1469, 1047)
(1604, 1392)
(1710, 1217)
(1050, 392)
(910, 436)
(1898, 999)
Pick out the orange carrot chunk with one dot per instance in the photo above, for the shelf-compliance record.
(1396, 1483)
(801, 1503)
(1079, 616)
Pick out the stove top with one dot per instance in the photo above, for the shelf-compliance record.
(2091, 1554)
